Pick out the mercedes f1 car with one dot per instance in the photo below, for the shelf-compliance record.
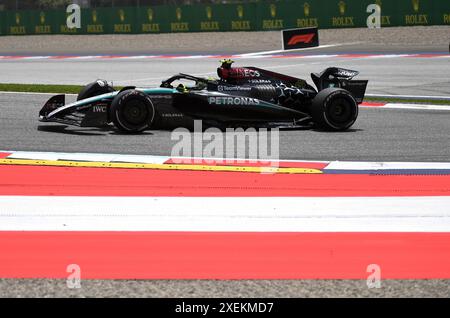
(239, 97)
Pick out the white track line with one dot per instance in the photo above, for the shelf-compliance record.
(273, 214)
(354, 165)
(415, 106)
(100, 157)
(411, 96)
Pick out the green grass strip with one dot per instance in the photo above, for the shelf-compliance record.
(40, 88)
(406, 101)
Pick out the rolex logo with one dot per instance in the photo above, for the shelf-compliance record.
(240, 11)
(416, 5)
(150, 15)
(94, 16)
(306, 9)
(42, 17)
(17, 18)
(178, 13)
(379, 3)
(209, 12)
(273, 10)
(122, 15)
(342, 6)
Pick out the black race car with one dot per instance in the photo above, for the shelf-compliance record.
(239, 97)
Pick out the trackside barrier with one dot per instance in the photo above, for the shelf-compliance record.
(260, 16)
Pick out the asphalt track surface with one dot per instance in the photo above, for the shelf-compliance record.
(227, 289)
(378, 135)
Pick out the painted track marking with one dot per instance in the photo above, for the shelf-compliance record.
(117, 165)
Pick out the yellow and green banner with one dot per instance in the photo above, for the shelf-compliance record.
(152, 19)
(256, 16)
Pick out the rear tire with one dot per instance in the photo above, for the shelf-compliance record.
(132, 111)
(334, 109)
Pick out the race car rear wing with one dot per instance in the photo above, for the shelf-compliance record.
(343, 78)
(357, 88)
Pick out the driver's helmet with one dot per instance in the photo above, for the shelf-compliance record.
(182, 88)
(226, 63)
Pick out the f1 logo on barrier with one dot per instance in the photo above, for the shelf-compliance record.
(300, 38)
(306, 38)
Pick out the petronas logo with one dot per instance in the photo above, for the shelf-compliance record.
(42, 17)
(17, 18)
(94, 16)
(306, 9)
(209, 12)
(150, 15)
(342, 6)
(240, 11)
(273, 10)
(416, 5)
(122, 15)
(178, 13)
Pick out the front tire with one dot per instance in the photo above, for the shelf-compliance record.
(132, 111)
(334, 109)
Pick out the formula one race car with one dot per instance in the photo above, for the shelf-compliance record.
(240, 97)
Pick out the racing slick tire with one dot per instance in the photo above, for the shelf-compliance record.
(94, 89)
(132, 111)
(334, 109)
